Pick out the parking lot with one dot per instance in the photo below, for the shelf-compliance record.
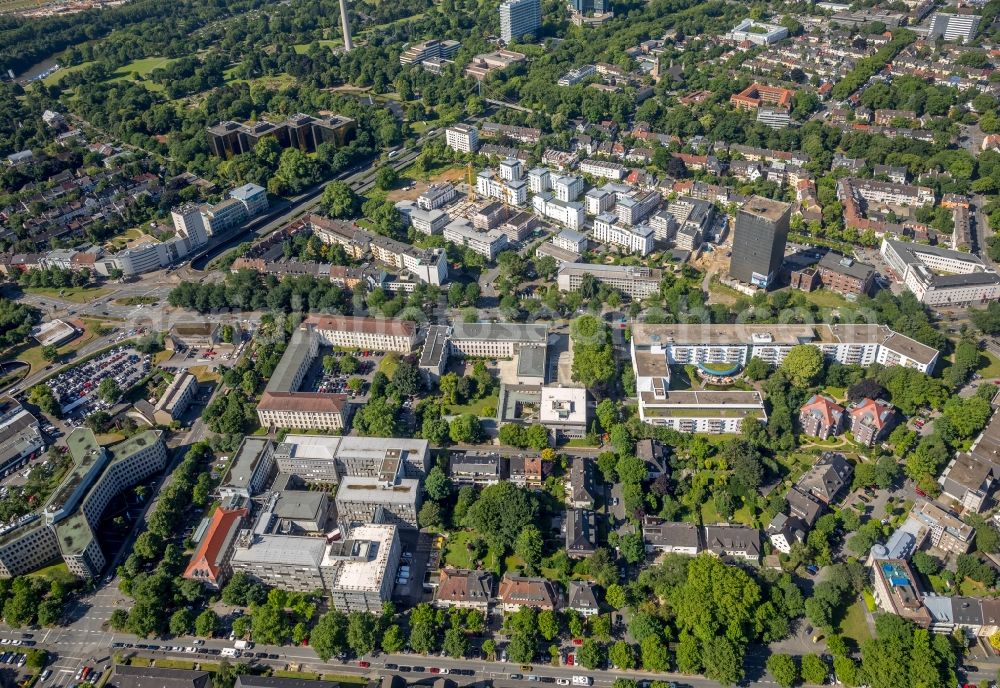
(76, 388)
(361, 364)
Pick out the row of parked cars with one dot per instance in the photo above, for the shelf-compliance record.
(197, 648)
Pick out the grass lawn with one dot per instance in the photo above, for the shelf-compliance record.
(343, 678)
(938, 585)
(140, 661)
(709, 514)
(838, 393)
(456, 552)
(331, 43)
(990, 363)
(869, 600)
(476, 407)
(854, 626)
(55, 76)
(142, 68)
(971, 588)
(581, 442)
(74, 294)
(174, 664)
(56, 572)
(826, 299)
(161, 356)
(310, 676)
(204, 374)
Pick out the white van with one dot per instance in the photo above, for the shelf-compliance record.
(228, 652)
(581, 681)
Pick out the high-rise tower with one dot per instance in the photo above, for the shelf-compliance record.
(346, 24)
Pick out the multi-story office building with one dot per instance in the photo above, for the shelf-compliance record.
(360, 572)
(436, 196)
(634, 281)
(565, 213)
(384, 499)
(848, 344)
(759, 241)
(355, 332)
(20, 435)
(635, 208)
(189, 223)
(953, 27)
(487, 244)
(426, 50)
(519, 18)
(462, 138)
(634, 238)
(496, 340)
(357, 572)
(65, 526)
(250, 470)
(175, 398)
(776, 118)
(305, 132)
(369, 457)
(575, 76)
(940, 276)
(845, 275)
(283, 406)
(757, 32)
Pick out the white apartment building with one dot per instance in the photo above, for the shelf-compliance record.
(462, 138)
(570, 214)
(657, 347)
(570, 240)
(940, 276)
(355, 332)
(487, 244)
(514, 192)
(774, 117)
(600, 168)
(757, 32)
(599, 201)
(511, 170)
(890, 193)
(436, 196)
(539, 180)
(636, 282)
(636, 207)
(567, 188)
(637, 239)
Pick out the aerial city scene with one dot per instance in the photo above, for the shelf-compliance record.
(495, 343)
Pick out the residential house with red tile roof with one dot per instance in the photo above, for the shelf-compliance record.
(821, 417)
